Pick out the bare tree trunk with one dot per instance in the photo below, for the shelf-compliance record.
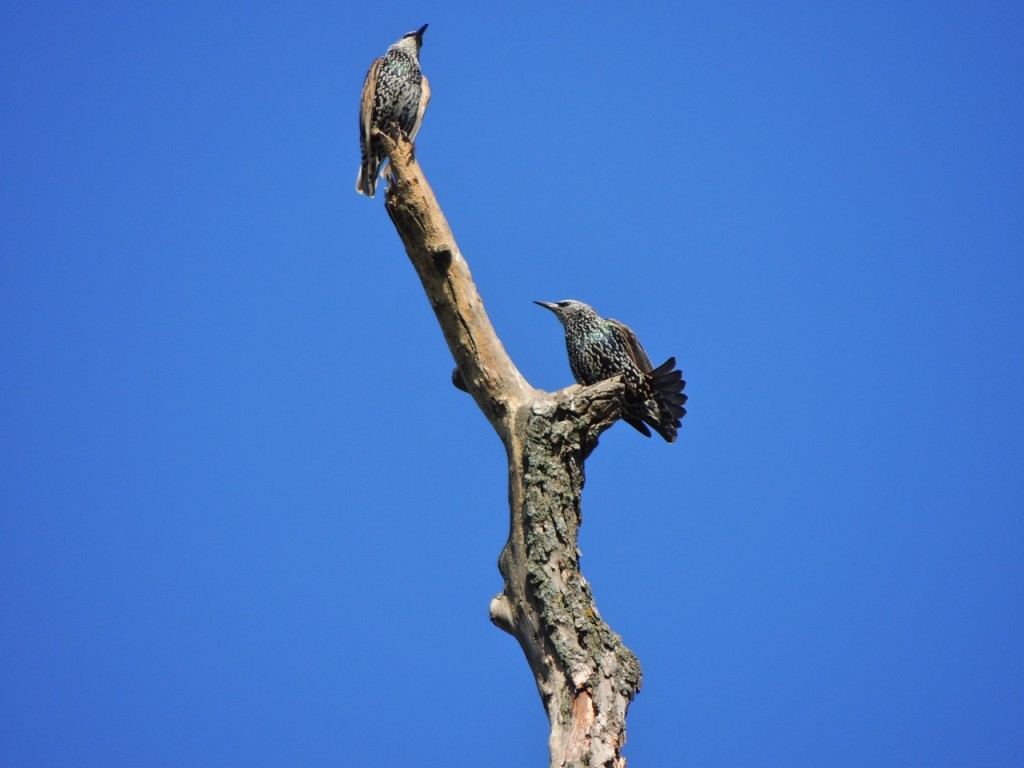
(585, 674)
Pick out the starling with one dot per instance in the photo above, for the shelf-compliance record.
(600, 348)
(395, 91)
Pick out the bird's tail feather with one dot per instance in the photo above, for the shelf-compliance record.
(668, 400)
(638, 425)
(366, 181)
(370, 171)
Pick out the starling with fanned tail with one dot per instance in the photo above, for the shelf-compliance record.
(600, 348)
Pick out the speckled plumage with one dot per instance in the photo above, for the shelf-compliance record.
(600, 348)
(395, 91)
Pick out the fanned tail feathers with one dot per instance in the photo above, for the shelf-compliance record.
(665, 409)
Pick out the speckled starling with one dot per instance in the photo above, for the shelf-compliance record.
(395, 91)
(600, 348)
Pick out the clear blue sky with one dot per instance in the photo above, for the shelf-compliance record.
(246, 520)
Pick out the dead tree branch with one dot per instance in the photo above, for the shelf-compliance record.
(585, 674)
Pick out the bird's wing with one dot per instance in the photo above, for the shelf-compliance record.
(421, 109)
(643, 362)
(366, 105)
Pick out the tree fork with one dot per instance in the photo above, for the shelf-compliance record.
(586, 676)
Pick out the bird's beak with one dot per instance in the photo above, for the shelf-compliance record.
(546, 305)
(419, 34)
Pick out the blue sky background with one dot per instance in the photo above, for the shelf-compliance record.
(246, 520)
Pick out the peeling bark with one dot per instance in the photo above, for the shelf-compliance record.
(585, 674)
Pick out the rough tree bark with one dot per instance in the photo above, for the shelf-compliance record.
(585, 674)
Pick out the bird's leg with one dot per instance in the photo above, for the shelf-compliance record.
(395, 132)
